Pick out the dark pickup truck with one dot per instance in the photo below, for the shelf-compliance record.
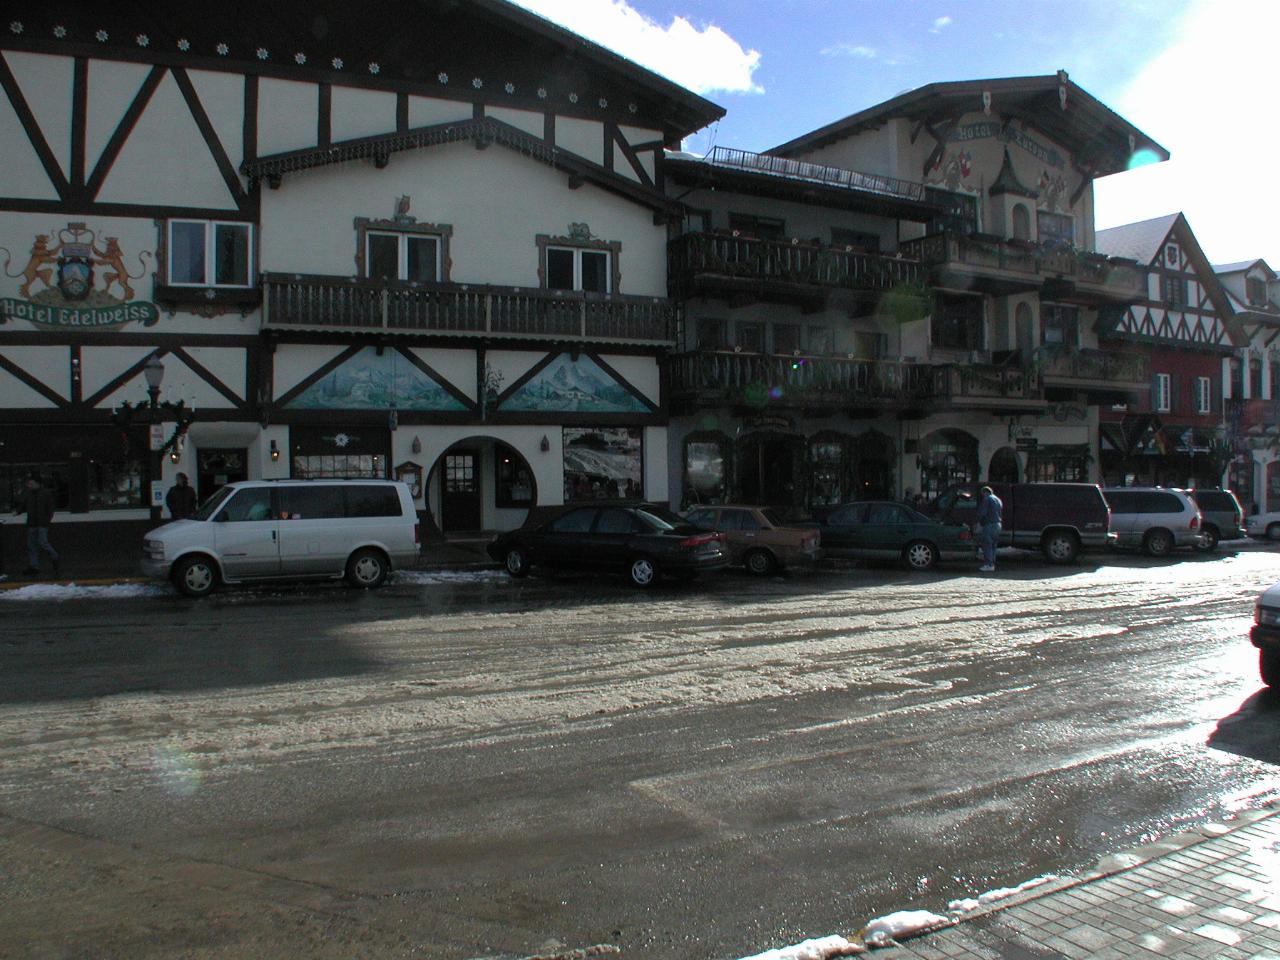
(1058, 519)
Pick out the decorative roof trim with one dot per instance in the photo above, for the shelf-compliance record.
(483, 131)
(1007, 181)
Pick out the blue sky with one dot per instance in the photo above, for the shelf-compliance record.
(1198, 76)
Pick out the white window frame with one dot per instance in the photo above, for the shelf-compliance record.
(1162, 401)
(1204, 395)
(210, 266)
(402, 251)
(577, 264)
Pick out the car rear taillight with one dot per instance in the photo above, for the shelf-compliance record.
(966, 534)
(417, 533)
(696, 541)
(1195, 522)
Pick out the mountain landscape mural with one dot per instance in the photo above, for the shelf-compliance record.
(367, 381)
(580, 386)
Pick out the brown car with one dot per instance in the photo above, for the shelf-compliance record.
(757, 537)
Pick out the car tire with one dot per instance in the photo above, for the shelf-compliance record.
(1157, 543)
(517, 562)
(642, 572)
(1208, 539)
(195, 576)
(1273, 531)
(1060, 546)
(367, 569)
(1269, 667)
(760, 562)
(920, 555)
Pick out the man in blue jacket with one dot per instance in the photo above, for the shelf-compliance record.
(990, 513)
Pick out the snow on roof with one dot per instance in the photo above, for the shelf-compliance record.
(1233, 267)
(1136, 241)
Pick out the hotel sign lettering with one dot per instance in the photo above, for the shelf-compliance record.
(66, 267)
(987, 129)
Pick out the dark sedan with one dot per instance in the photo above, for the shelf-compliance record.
(882, 529)
(644, 542)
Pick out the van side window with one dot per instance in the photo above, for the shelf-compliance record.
(251, 504)
(310, 503)
(372, 500)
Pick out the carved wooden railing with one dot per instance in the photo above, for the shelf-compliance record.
(785, 262)
(340, 303)
(1084, 364)
(757, 379)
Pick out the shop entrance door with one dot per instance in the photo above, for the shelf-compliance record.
(767, 469)
(218, 466)
(460, 498)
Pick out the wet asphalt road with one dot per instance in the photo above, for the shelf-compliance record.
(478, 767)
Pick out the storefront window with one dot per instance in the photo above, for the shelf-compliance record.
(1058, 465)
(603, 463)
(704, 473)
(949, 456)
(360, 465)
(827, 472)
(87, 467)
(115, 484)
(515, 480)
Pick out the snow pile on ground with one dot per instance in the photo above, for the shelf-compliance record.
(447, 576)
(882, 931)
(969, 904)
(75, 591)
(820, 949)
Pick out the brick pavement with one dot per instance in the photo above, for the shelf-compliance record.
(1211, 893)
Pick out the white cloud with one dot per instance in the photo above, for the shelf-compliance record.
(849, 50)
(939, 24)
(1204, 98)
(702, 59)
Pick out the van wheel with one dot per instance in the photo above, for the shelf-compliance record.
(517, 562)
(920, 555)
(195, 576)
(760, 562)
(1269, 667)
(1208, 539)
(642, 572)
(1061, 546)
(366, 569)
(1158, 543)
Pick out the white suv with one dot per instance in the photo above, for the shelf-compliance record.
(288, 529)
(1154, 519)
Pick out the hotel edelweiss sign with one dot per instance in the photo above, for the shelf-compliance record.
(66, 272)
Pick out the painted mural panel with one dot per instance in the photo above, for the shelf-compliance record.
(581, 386)
(603, 462)
(367, 381)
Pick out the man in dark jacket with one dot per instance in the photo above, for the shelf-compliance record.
(39, 506)
(181, 499)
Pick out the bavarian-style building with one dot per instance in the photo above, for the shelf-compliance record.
(315, 239)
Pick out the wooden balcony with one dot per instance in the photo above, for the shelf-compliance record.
(1002, 266)
(708, 378)
(340, 304)
(1253, 416)
(1101, 374)
(789, 271)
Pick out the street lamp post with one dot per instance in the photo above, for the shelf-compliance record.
(154, 373)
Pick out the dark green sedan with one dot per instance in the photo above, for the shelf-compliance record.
(886, 530)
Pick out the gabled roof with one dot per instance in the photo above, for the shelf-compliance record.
(1243, 266)
(482, 131)
(1101, 141)
(1140, 241)
(490, 51)
(1143, 241)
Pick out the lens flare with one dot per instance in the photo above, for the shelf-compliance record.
(1142, 158)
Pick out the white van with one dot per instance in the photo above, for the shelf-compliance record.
(288, 530)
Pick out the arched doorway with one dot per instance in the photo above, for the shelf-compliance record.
(874, 466)
(706, 468)
(481, 483)
(768, 469)
(831, 478)
(947, 457)
(1004, 466)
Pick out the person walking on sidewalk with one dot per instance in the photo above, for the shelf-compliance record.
(181, 499)
(990, 514)
(39, 507)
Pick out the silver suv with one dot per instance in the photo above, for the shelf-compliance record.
(1155, 520)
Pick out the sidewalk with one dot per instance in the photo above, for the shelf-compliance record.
(1213, 892)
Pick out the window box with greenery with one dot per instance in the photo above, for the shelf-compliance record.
(207, 262)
